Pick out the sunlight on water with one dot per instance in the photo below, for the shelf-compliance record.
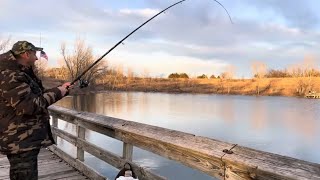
(286, 126)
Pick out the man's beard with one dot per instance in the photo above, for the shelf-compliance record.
(32, 64)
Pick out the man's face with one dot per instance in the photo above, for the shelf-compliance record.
(30, 57)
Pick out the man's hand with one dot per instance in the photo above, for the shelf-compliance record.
(64, 88)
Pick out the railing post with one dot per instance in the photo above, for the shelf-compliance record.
(81, 134)
(127, 151)
(55, 124)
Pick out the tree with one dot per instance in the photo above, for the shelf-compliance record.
(174, 75)
(203, 76)
(81, 58)
(57, 73)
(40, 67)
(145, 77)
(308, 71)
(259, 70)
(212, 76)
(223, 75)
(272, 73)
(304, 73)
(295, 71)
(4, 44)
(227, 75)
(183, 75)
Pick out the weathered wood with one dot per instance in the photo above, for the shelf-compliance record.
(106, 156)
(50, 166)
(55, 124)
(62, 116)
(89, 172)
(197, 152)
(81, 134)
(65, 135)
(249, 163)
(127, 151)
(60, 175)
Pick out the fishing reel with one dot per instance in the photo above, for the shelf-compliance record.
(83, 83)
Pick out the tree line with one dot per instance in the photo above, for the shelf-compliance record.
(77, 58)
(271, 73)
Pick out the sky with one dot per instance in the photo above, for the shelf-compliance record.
(195, 37)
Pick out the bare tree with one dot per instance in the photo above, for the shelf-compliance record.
(4, 44)
(130, 73)
(309, 67)
(81, 58)
(295, 70)
(117, 76)
(145, 77)
(227, 75)
(130, 77)
(230, 70)
(259, 70)
(57, 73)
(40, 67)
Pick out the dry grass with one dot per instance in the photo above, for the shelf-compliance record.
(266, 86)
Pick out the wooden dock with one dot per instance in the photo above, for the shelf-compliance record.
(222, 160)
(50, 166)
(312, 95)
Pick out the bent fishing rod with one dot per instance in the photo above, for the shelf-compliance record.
(84, 84)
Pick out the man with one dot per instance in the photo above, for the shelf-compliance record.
(24, 117)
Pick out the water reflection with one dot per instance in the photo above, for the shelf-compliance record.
(259, 116)
(287, 126)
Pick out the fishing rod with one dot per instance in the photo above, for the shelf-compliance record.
(84, 83)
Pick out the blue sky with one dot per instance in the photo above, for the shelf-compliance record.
(195, 37)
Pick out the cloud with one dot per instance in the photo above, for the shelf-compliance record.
(296, 13)
(277, 32)
(161, 63)
(146, 13)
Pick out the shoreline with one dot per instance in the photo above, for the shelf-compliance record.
(284, 87)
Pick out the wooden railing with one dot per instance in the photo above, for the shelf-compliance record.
(215, 158)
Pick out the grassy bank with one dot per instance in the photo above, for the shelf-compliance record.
(264, 87)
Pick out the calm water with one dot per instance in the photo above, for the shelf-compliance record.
(286, 126)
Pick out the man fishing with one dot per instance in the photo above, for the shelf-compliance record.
(24, 117)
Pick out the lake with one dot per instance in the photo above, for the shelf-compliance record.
(283, 125)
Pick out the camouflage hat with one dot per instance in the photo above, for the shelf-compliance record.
(23, 46)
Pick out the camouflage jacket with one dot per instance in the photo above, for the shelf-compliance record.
(24, 118)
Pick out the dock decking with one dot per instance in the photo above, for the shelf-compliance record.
(50, 166)
(313, 95)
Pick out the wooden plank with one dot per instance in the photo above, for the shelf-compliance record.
(81, 134)
(196, 152)
(108, 157)
(89, 172)
(117, 161)
(4, 178)
(64, 117)
(4, 172)
(55, 124)
(50, 166)
(127, 151)
(72, 139)
(246, 163)
(60, 175)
